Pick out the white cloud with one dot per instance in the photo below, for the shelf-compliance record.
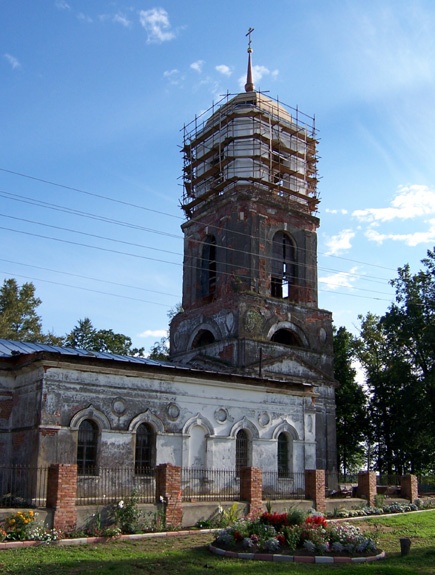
(84, 17)
(342, 211)
(173, 76)
(62, 5)
(258, 72)
(116, 18)
(224, 70)
(157, 25)
(340, 279)
(197, 66)
(14, 62)
(411, 239)
(154, 333)
(410, 202)
(339, 243)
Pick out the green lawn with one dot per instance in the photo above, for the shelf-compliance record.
(189, 556)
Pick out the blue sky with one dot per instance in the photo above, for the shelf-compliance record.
(93, 98)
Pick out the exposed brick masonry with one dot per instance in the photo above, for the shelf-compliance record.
(315, 488)
(61, 495)
(251, 489)
(168, 486)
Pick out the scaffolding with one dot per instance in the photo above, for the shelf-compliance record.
(250, 140)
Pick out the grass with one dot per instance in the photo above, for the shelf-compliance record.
(188, 555)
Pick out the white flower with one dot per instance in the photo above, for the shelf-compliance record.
(121, 504)
(162, 499)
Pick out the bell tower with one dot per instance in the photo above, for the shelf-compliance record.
(250, 302)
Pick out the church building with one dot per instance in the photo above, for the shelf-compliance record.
(250, 377)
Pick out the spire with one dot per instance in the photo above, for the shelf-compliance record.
(249, 86)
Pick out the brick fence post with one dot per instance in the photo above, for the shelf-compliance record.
(251, 489)
(409, 487)
(61, 495)
(168, 486)
(367, 486)
(315, 488)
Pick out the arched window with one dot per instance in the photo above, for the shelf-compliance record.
(87, 448)
(283, 455)
(286, 337)
(283, 266)
(202, 338)
(242, 450)
(145, 449)
(208, 267)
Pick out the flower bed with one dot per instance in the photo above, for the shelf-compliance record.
(292, 535)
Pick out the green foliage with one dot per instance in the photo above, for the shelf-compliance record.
(85, 336)
(159, 351)
(18, 317)
(351, 405)
(127, 515)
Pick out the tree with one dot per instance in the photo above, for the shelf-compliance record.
(159, 350)
(351, 408)
(85, 336)
(18, 317)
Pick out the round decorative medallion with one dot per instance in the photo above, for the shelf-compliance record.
(118, 406)
(264, 419)
(173, 411)
(221, 415)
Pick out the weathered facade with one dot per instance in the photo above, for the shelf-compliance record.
(47, 393)
(250, 382)
(250, 302)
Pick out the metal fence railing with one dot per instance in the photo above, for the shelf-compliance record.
(23, 486)
(111, 484)
(279, 486)
(209, 485)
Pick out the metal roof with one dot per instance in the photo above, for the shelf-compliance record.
(10, 348)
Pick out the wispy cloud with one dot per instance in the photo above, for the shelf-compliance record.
(84, 17)
(340, 279)
(410, 202)
(197, 66)
(154, 333)
(411, 239)
(339, 243)
(14, 62)
(174, 76)
(62, 5)
(157, 25)
(258, 73)
(118, 18)
(342, 211)
(224, 70)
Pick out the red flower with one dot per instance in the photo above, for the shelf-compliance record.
(281, 539)
(238, 536)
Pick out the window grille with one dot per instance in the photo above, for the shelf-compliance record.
(144, 456)
(283, 459)
(87, 447)
(283, 265)
(242, 450)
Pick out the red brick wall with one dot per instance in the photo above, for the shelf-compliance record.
(315, 488)
(168, 487)
(367, 486)
(251, 489)
(409, 487)
(61, 495)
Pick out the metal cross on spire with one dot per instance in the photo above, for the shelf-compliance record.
(249, 86)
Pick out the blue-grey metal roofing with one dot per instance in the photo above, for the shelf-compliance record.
(10, 348)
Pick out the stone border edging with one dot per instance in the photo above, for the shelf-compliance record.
(90, 540)
(294, 558)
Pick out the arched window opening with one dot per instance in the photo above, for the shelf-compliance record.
(87, 447)
(145, 449)
(283, 455)
(242, 450)
(208, 267)
(286, 337)
(283, 266)
(202, 338)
